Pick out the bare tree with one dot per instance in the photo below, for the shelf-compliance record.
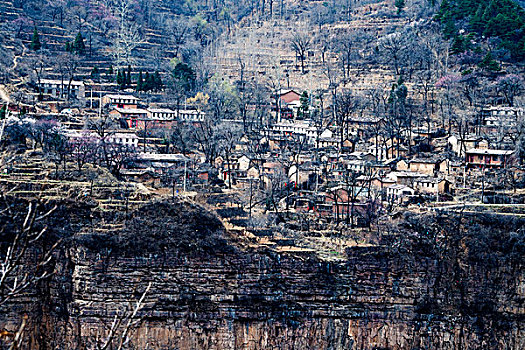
(228, 136)
(128, 35)
(510, 86)
(301, 45)
(392, 47)
(67, 64)
(125, 322)
(178, 31)
(83, 150)
(104, 126)
(346, 106)
(23, 233)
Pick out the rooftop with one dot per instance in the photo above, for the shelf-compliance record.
(162, 157)
(482, 151)
(122, 97)
(60, 82)
(131, 110)
(160, 110)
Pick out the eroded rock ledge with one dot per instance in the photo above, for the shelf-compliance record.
(209, 293)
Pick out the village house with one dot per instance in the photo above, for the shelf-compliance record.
(135, 118)
(117, 138)
(253, 173)
(120, 101)
(366, 156)
(190, 116)
(124, 138)
(419, 134)
(489, 158)
(161, 163)
(344, 204)
(460, 144)
(161, 114)
(331, 160)
(242, 144)
(387, 150)
(301, 174)
(59, 88)
(494, 117)
(271, 171)
(283, 104)
(406, 178)
(431, 185)
(357, 165)
(381, 168)
(380, 183)
(244, 162)
(302, 129)
(429, 166)
(328, 142)
(161, 118)
(360, 126)
(271, 168)
(396, 193)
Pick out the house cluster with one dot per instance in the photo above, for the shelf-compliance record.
(129, 109)
(332, 170)
(326, 166)
(129, 132)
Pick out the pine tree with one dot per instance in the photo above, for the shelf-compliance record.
(158, 81)
(35, 41)
(449, 27)
(3, 112)
(128, 77)
(400, 4)
(147, 82)
(185, 76)
(304, 100)
(459, 44)
(110, 73)
(476, 22)
(140, 82)
(491, 11)
(68, 47)
(120, 80)
(151, 82)
(95, 73)
(78, 45)
(489, 63)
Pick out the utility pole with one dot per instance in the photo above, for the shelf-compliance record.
(251, 194)
(173, 186)
(185, 174)
(465, 177)
(482, 183)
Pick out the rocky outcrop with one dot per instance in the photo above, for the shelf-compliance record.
(209, 293)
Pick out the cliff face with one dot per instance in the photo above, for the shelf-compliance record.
(207, 293)
(260, 301)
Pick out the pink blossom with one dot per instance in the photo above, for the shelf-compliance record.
(448, 81)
